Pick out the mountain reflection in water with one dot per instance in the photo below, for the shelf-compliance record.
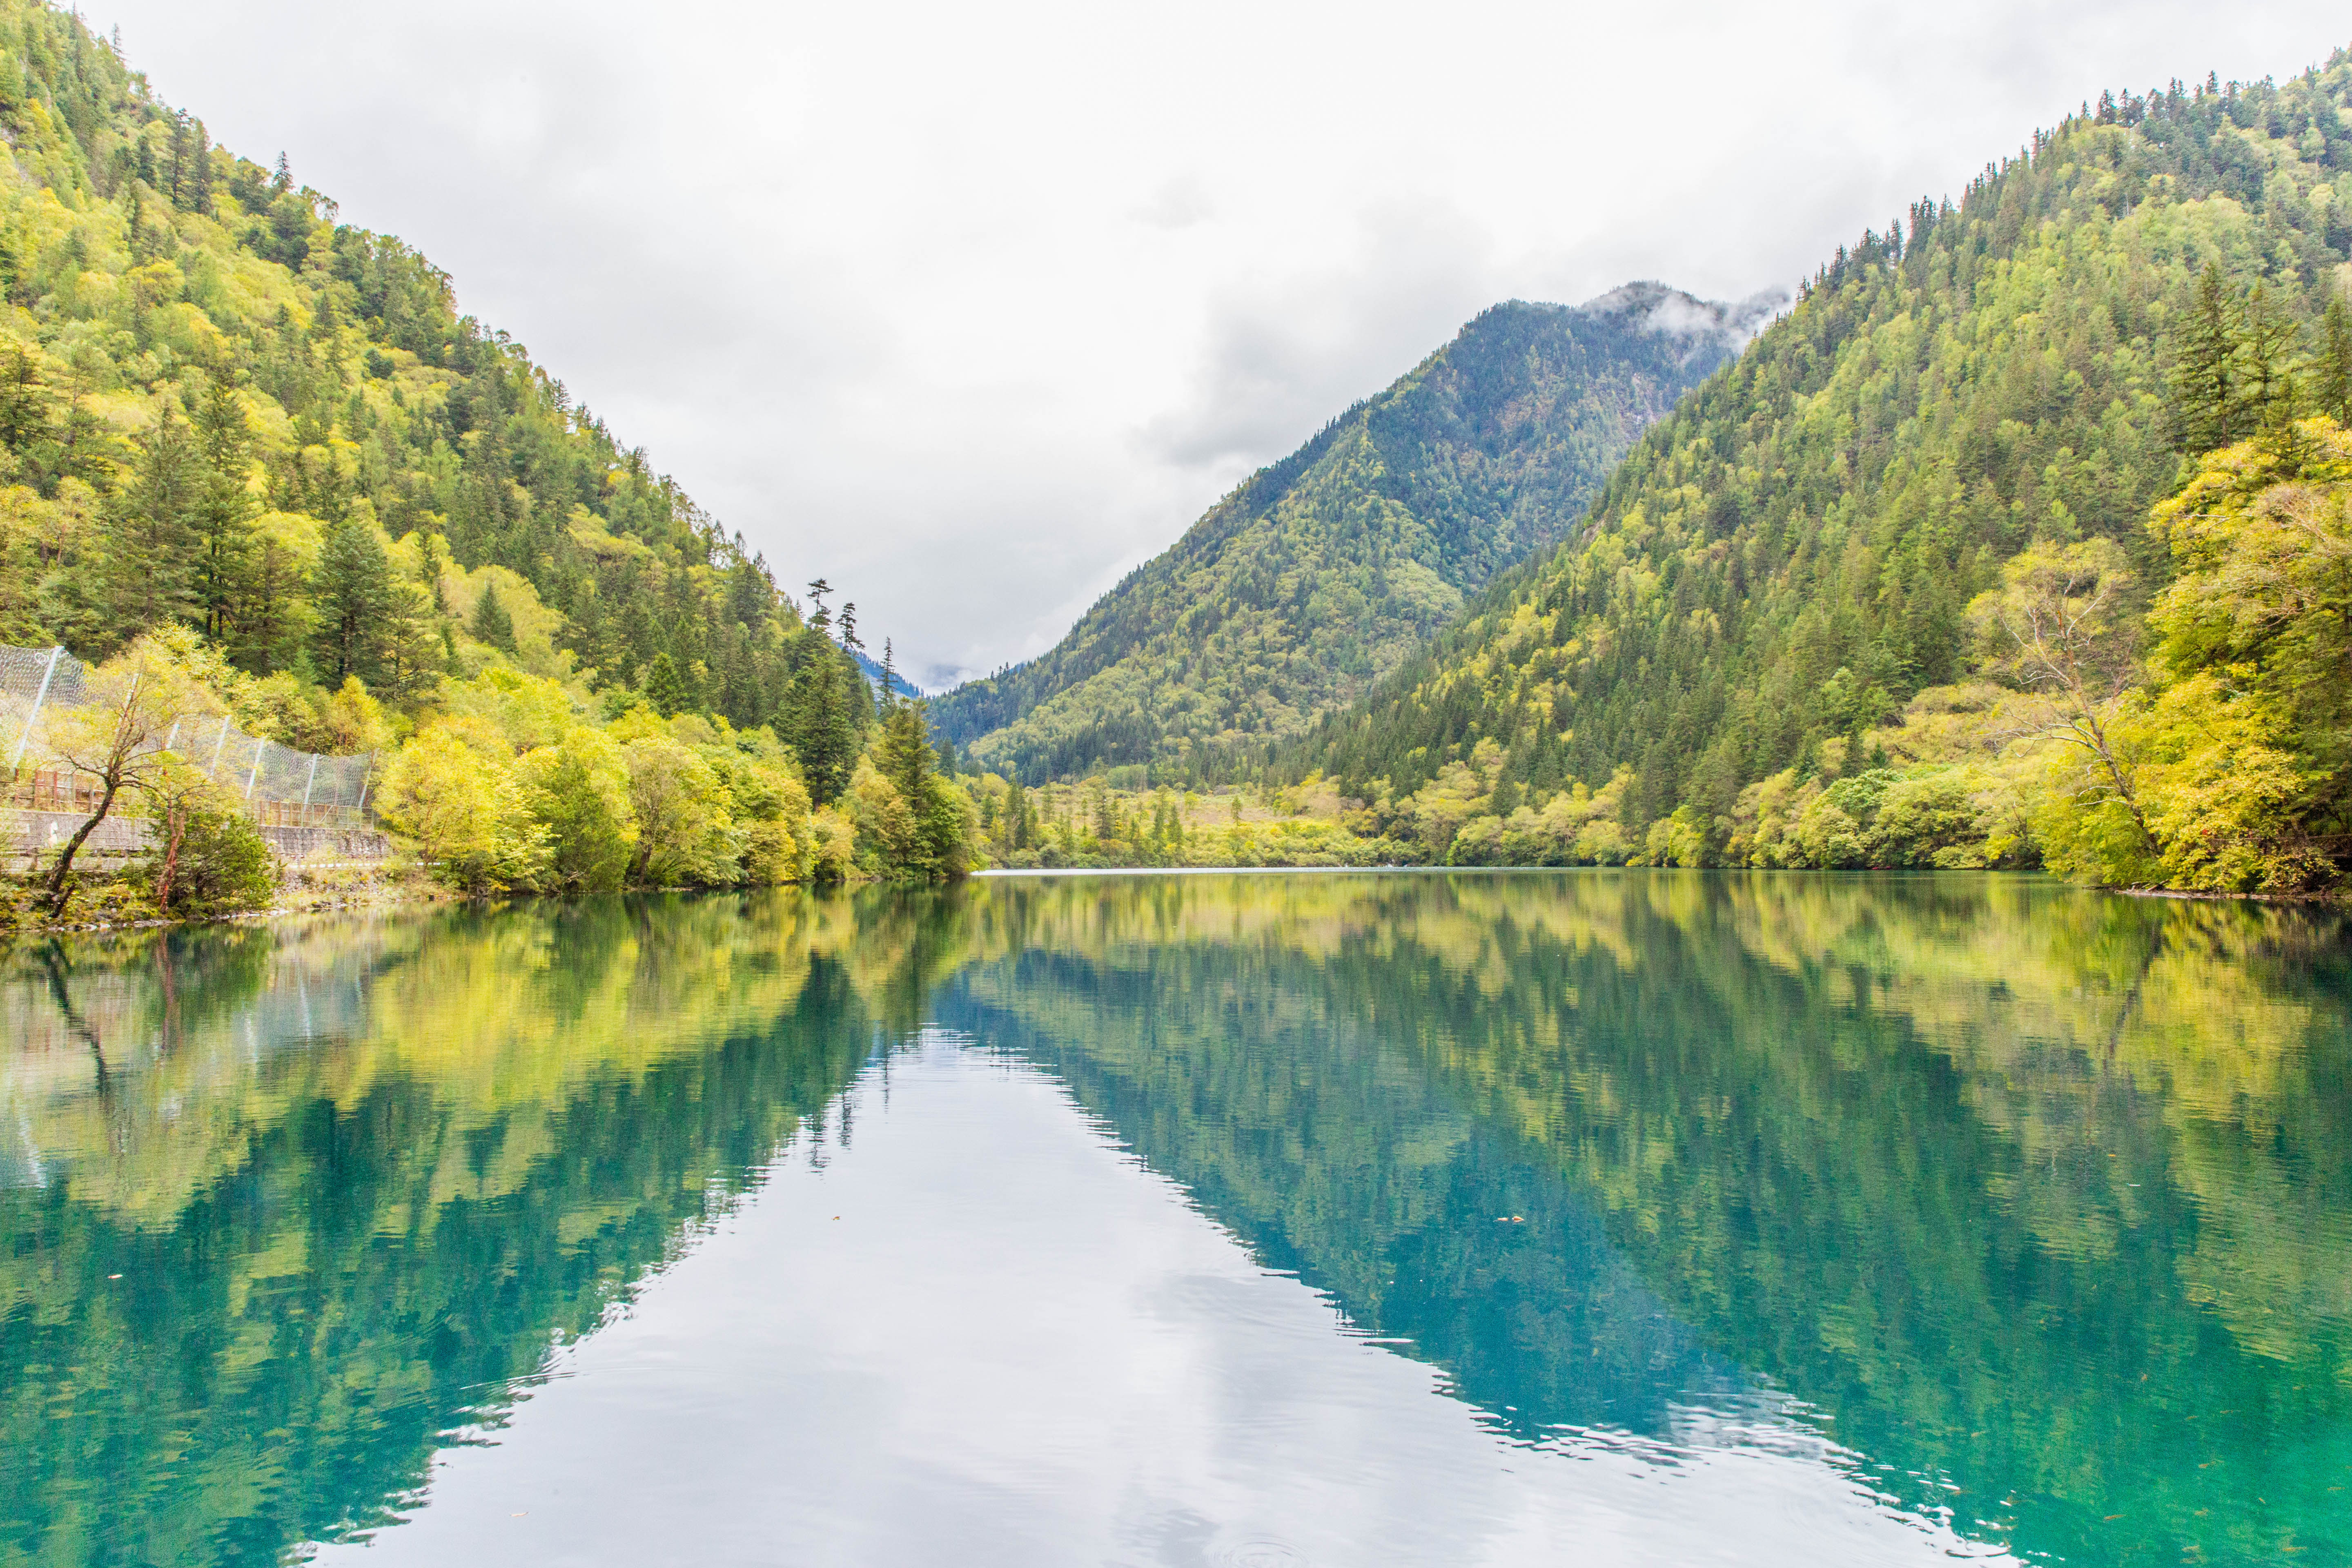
(1226, 1216)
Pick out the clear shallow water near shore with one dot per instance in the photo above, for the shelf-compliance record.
(1612, 1218)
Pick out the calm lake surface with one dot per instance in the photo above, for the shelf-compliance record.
(1591, 1217)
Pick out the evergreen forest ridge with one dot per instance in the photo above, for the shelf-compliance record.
(218, 400)
(256, 458)
(1323, 571)
(2020, 539)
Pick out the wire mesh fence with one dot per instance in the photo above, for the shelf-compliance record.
(277, 784)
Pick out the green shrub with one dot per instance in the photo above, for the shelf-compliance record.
(220, 866)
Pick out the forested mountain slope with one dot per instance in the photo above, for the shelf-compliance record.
(1321, 573)
(220, 407)
(1988, 399)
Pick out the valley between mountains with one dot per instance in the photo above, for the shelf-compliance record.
(2019, 537)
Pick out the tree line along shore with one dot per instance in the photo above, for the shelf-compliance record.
(2018, 541)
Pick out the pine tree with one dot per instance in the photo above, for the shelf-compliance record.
(2332, 387)
(223, 506)
(407, 650)
(665, 687)
(136, 234)
(494, 626)
(24, 402)
(353, 596)
(182, 174)
(271, 619)
(200, 185)
(430, 559)
(903, 755)
(747, 596)
(147, 567)
(2269, 371)
(820, 730)
(1017, 817)
(2205, 391)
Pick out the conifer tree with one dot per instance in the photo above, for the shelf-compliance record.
(355, 602)
(2205, 390)
(665, 687)
(200, 196)
(430, 559)
(23, 401)
(823, 726)
(223, 506)
(2271, 372)
(2332, 381)
(1018, 818)
(183, 172)
(903, 755)
(407, 651)
(493, 625)
(271, 615)
(137, 236)
(148, 563)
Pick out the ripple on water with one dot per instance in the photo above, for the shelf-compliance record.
(1263, 1554)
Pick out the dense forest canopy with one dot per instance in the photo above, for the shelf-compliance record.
(1822, 571)
(2024, 538)
(260, 453)
(1323, 572)
(222, 406)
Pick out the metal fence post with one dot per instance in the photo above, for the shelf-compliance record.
(34, 717)
(212, 769)
(307, 784)
(254, 776)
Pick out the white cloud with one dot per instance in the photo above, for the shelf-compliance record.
(970, 308)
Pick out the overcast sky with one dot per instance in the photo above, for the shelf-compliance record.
(970, 308)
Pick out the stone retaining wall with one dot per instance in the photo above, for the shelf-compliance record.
(338, 843)
(40, 833)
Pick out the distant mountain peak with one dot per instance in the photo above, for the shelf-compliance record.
(1323, 572)
(1670, 313)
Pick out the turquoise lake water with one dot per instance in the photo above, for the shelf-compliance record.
(1597, 1218)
